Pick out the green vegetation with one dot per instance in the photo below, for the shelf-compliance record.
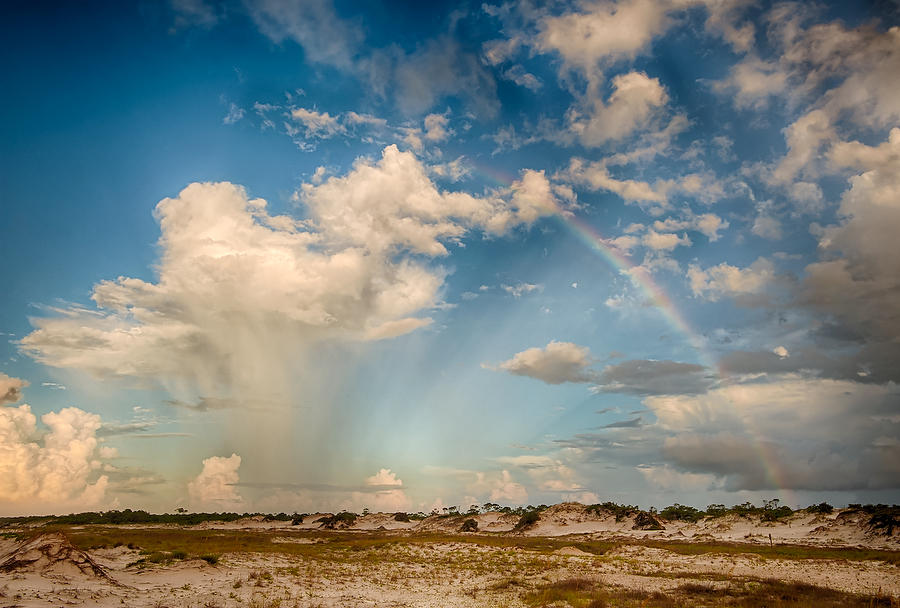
(740, 593)
(401, 516)
(470, 525)
(529, 517)
(679, 512)
(344, 519)
(823, 507)
(620, 511)
(882, 518)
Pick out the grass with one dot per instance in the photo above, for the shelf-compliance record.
(745, 593)
(217, 542)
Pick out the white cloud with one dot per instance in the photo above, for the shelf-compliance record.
(708, 224)
(556, 363)
(727, 280)
(508, 490)
(214, 487)
(235, 113)
(317, 124)
(10, 389)
(436, 127)
(56, 469)
(767, 227)
(630, 107)
(753, 82)
(520, 289)
(602, 33)
(241, 291)
(384, 477)
(781, 351)
(664, 241)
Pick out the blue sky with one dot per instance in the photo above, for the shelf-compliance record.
(314, 255)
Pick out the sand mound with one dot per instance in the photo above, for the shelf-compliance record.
(572, 551)
(52, 553)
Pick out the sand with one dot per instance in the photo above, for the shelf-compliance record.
(414, 571)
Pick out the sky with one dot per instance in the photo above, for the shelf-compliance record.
(273, 255)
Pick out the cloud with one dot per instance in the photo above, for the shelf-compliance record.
(507, 490)
(43, 471)
(214, 488)
(664, 241)
(313, 24)
(708, 224)
(634, 100)
(436, 127)
(240, 291)
(634, 423)
(768, 436)
(556, 363)
(857, 283)
(319, 125)
(384, 477)
(235, 113)
(520, 289)
(752, 82)
(651, 377)
(731, 281)
(602, 33)
(10, 389)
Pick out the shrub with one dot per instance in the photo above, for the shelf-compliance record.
(883, 518)
(344, 519)
(646, 521)
(211, 559)
(620, 511)
(823, 508)
(401, 516)
(528, 519)
(679, 512)
(470, 525)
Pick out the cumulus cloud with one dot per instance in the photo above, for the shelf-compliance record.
(556, 363)
(384, 477)
(53, 469)
(731, 281)
(214, 487)
(631, 105)
(708, 224)
(10, 389)
(240, 290)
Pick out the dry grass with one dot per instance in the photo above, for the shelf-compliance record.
(586, 593)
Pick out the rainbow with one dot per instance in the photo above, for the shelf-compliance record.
(643, 281)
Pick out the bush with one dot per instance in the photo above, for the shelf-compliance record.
(470, 525)
(344, 519)
(679, 512)
(620, 511)
(528, 519)
(210, 559)
(716, 510)
(823, 507)
(883, 518)
(646, 521)
(401, 516)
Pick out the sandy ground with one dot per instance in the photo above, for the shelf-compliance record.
(51, 572)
